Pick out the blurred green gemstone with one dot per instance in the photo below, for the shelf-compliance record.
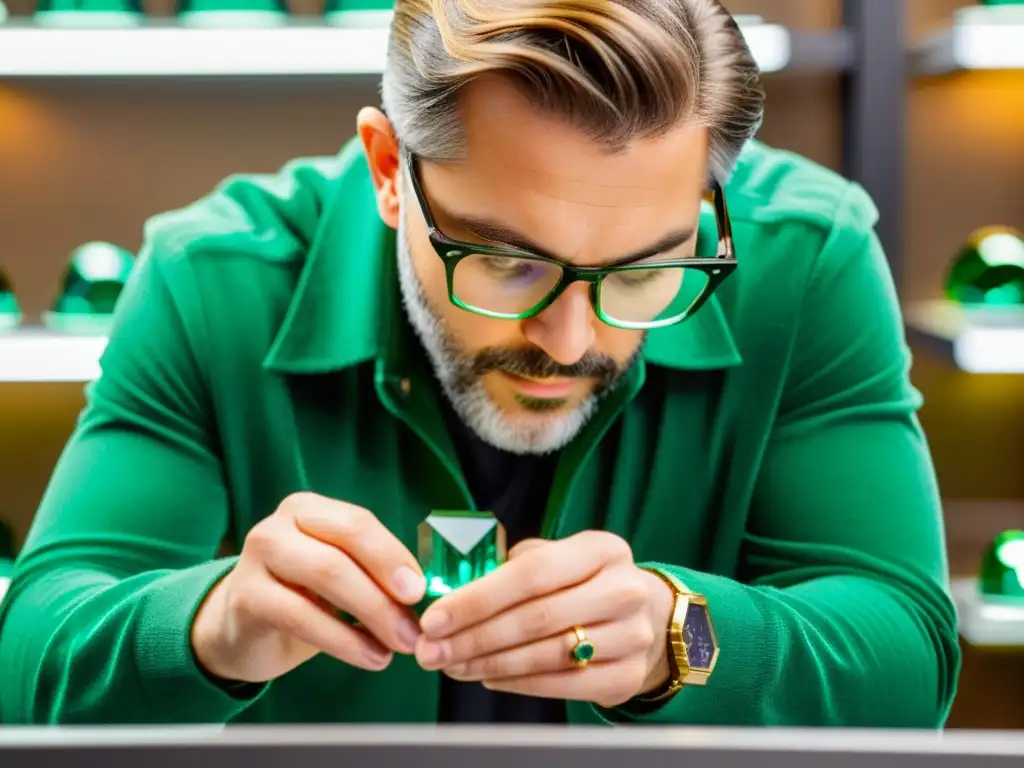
(89, 13)
(93, 281)
(335, 6)
(10, 312)
(233, 13)
(989, 270)
(359, 14)
(457, 547)
(1002, 568)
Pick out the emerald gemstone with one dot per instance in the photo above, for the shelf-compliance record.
(233, 13)
(1002, 569)
(89, 6)
(457, 547)
(93, 282)
(359, 14)
(583, 652)
(989, 270)
(10, 312)
(89, 13)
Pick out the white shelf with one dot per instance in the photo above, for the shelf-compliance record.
(982, 37)
(153, 50)
(351, 45)
(983, 340)
(38, 355)
(984, 623)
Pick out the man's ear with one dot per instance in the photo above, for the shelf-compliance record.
(381, 148)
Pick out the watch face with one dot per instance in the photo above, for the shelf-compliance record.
(699, 637)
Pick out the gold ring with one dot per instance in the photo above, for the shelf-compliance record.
(583, 651)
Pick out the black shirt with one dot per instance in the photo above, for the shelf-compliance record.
(515, 490)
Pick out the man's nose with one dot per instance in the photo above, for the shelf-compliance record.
(565, 330)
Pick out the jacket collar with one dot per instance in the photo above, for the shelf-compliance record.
(343, 310)
(335, 318)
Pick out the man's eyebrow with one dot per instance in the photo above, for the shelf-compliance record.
(495, 232)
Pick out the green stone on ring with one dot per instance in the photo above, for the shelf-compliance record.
(583, 652)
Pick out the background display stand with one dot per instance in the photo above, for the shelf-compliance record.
(988, 624)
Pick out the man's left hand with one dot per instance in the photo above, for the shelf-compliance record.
(512, 629)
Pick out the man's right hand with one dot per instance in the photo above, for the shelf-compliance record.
(299, 567)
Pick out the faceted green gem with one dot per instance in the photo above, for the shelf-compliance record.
(10, 312)
(1002, 568)
(93, 281)
(457, 547)
(989, 270)
(583, 652)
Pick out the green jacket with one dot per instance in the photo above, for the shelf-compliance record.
(766, 451)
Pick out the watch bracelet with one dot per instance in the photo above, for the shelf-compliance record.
(674, 684)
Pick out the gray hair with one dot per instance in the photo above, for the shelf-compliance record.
(620, 70)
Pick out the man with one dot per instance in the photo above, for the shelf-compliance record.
(519, 291)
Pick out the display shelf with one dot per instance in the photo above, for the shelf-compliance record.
(981, 37)
(987, 340)
(987, 624)
(38, 355)
(154, 50)
(347, 45)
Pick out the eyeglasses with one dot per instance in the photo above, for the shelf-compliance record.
(510, 284)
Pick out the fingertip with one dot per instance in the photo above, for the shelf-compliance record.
(377, 660)
(408, 585)
(435, 621)
(376, 655)
(525, 546)
(418, 648)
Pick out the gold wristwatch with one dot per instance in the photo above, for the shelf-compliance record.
(692, 645)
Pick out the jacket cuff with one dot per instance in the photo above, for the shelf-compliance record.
(166, 663)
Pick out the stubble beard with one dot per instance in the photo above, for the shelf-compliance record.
(539, 432)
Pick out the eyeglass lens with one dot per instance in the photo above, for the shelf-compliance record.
(515, 286)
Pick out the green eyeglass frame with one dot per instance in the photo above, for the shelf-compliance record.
(451, 252)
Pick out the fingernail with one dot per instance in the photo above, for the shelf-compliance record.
(408, 633)
(456, 670)
(434, 621)
(408, 584)
(376, 658)
(432, 654)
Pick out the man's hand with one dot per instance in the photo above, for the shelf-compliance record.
(299, 567)
(512, 629)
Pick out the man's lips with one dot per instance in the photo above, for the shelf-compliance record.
(543, 389)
